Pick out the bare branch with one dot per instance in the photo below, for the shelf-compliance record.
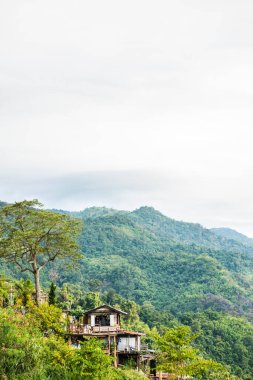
(22, 268)
(51, 258)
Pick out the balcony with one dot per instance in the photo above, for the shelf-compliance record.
(102, 329)
(76, 328)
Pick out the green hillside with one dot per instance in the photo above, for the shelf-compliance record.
(146, 256)
(143, 255)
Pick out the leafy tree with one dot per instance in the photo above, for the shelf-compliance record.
(24, 291)
(31, 237)
(92, 300)
(6, 287)
(177, 356)
(21, 347)
(90, 362)
(47, 318)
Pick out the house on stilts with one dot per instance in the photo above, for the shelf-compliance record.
(104, 322)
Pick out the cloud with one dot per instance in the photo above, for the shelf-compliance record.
(125, 104)
(86, 188)
(182, 198)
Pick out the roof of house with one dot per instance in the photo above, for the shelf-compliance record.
(107, 307)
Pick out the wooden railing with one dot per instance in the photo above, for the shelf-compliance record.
(97, 329)
(76, 328)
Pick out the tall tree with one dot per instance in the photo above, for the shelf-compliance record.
(31, 237)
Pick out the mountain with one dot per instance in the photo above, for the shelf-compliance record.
(185, 233)
(231, 234)
(145, 256)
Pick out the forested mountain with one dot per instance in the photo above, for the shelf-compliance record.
(229, 233)
(144, 255)
(169, 230)
(204, 280)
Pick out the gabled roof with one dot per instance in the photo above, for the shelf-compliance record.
(105, 306)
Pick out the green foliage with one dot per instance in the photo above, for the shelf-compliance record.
(153, 318)
(26, 354)
(47, 318)
(161, 270)
(87, 363)
(74, 299)
(146, 256)
(31, 238)
(230, 234)
(224, 338)
(5, 291)
(130, 375)
(177, 356)
(24, 292)
(21, 347)
(52, 294)
(92, 300)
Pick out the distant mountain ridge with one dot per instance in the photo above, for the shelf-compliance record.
(144, 214)
(229, 233)
(168, 228)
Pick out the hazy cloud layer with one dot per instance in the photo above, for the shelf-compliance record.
(125, 104)
(176, 197)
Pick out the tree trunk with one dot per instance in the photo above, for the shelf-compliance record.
(37, 285)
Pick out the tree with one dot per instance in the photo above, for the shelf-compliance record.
(52, 294)
(92, 300)
(6, 295)
(24, 291)
(47, 318)
(22, 351)
(177, 356)
(31, 237)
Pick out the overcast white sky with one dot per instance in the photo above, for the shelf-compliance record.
(129, 103)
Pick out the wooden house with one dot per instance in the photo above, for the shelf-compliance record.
(103, 322)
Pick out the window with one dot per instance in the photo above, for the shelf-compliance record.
(102, 320)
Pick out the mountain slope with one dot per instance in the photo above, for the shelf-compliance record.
(186, 233)
(231, 234)
(143, 255)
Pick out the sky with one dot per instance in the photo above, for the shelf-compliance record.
(129, 103)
